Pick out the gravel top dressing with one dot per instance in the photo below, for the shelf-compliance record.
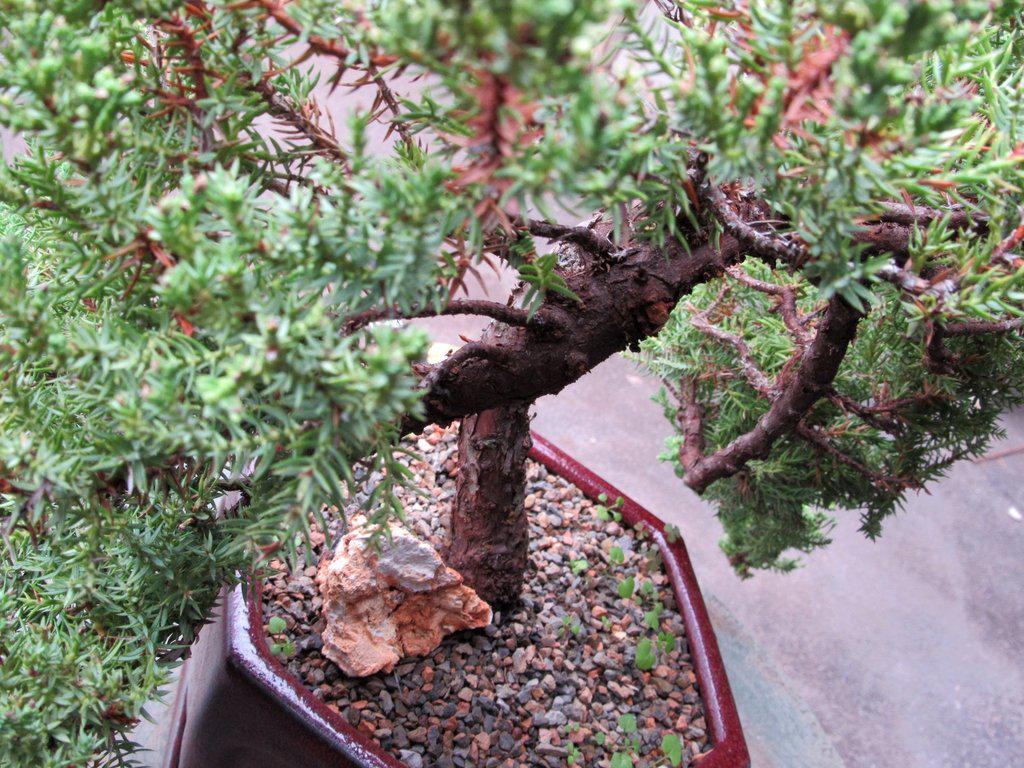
(577, 674)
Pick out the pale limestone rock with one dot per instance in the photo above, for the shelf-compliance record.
(383, 605)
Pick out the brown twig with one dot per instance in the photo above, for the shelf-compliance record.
(889, 483)
(319, 44)
(1001, 253)
(972, 327)
(690, 417)
(872, 415)
(388, 97)
(805, 384)
(184, 37)
(583, 236)
(751, 371)
(1003, 454)
(769, 246)
(786, 306)
(909, 282)
(304, 124)
(957, 218)
(500, 312)
(937, 357)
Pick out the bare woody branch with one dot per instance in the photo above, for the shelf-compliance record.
(876, 416)
(973, 327)
(583, 236)
(323, 46)
(888, 236)
(751, 371)
(786, 295)
(1003, 253)
(690, 417)
(386, 95)
(500, 312)
(957, 218)
(769, 246)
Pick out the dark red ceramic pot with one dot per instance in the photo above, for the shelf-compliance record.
(238, 707)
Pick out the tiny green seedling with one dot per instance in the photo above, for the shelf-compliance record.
(616, 556)
(627, 587)
(605, 512)
(579, 566)
(646, 656)
(671, 534)
(654, 561)
(570, 624)
(667, 641)
(286, 649)
(574, 754)
(673, 748)
(276, 625)
(652, 618)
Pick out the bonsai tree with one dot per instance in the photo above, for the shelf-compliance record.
(804, 217)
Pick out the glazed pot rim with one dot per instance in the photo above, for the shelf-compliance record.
(249, 653)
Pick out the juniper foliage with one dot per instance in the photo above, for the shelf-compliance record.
(191, 251)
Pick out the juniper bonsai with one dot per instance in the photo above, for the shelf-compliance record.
(804, 217)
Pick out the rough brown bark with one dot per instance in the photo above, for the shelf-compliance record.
(489, 532)
(622, 300)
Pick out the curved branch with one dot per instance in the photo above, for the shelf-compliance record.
(808, 383)
(492, 309)
(322, 141)
(957, 218)
(888, 483)
(753, 374)
(786, 294)
(875, 416)
(769, 246)
(582, 236)
(388, 97)
(690, 418)
(973, 327)
(317, 43)
(886, 236)
(913, 283)
(628, 301)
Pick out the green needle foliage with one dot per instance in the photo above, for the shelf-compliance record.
(783, 503)
(187, 238)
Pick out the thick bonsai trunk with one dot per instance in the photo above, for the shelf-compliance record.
(489, 531)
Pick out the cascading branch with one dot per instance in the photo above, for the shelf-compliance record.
(806, 216)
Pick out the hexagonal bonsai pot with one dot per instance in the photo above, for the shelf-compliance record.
(238, 707)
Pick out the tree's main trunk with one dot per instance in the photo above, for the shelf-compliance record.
(489, 532)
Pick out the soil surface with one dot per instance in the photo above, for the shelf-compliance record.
(552, 682)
